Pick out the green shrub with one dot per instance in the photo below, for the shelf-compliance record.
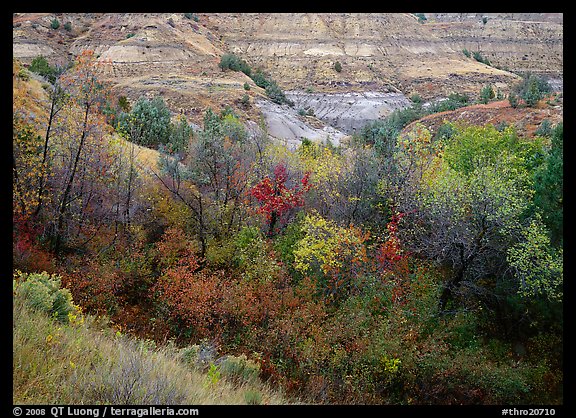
(213, 376)
(337, 66)
(23, 74)
(240, 368)
(124, 104)
(234, 63)
(462, 331)
(253, 397)
(545, 129)
(286, 243)
(416, 98)
(198, 356)
(55, 24)
(532, 89)
(260, 79)
(486, 94)
(220, 253)
(382, 133)
(421, 17)
(273, 91)
(42, 292)
(148, 123)
(478, 57)
(41, 66)
(513, 100)
(276, 94)
(68, 26)
(452, 102)
(247, 244)
(445, 132)
(251, 257)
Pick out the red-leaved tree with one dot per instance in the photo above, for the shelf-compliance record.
(276, 198)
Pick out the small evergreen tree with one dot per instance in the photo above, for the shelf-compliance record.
(532, 89)
(148, 123)
(41, 66)
(548, 185)
(486, 94)
(513, 100)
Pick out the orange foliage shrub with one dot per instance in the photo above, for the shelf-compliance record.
(191, 297)
(27, 254)
(95, 286)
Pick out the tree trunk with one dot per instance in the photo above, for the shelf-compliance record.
(272, 223)
(53, 111)
(64, 202)
(448, 291)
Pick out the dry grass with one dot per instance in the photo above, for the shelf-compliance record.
(28, 94)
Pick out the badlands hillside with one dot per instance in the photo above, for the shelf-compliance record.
(384, 59)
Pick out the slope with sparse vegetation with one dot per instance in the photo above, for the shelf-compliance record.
(81, 359)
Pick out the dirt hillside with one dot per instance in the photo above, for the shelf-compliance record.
(383, 58)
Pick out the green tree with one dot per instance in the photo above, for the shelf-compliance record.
(181, 133)
(466, 201)
(41, 66)
(148, 123)
(537, 265)
(213, 178)
(532, 89)
(486, 94)
(549, 184)
(83, 129)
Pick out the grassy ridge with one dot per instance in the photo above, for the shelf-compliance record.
(86, 362)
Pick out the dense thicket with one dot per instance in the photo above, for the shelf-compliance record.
(399, 269)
